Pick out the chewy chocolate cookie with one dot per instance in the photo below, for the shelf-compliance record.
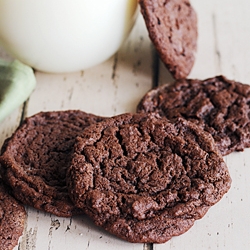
(218, 105)
(145, 179)
(35, 159)
(12, 218)
(172, 27)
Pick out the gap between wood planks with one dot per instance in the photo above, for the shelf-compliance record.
(155, 69)
(155, 83)
(24, 112)
(149, 246)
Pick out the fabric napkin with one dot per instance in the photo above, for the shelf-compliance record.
(17, 81)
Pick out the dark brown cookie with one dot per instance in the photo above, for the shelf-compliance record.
(172, 27)
(218, 105)
(35, 159)
(145, 179)
(12, 219)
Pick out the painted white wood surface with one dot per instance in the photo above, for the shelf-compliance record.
(223, 48)
(115, 87)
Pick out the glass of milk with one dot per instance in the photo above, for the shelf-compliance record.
(63, 36)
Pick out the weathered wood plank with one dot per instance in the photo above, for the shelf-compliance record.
(223, 48)
(108, 89)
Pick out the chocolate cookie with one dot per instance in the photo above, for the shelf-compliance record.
(172, 27)
(218, 105)
(12, 218)
(35, 159)
(146, 179)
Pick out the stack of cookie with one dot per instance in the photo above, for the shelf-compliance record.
(144, 177)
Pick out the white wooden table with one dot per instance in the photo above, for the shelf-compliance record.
(115, 87)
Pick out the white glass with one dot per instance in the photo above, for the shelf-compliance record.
(65, 35)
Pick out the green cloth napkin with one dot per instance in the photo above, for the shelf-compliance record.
(17, 81)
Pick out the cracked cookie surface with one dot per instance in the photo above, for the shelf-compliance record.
(218, 105)
(35, 159)
(12, 219)
(145, 179)
(172, 27)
